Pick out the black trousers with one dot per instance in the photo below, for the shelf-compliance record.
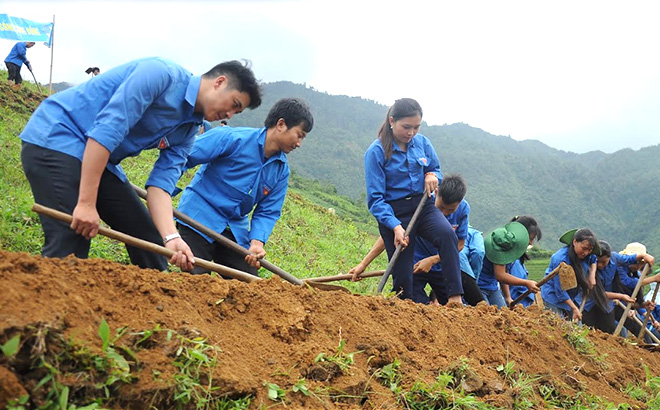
(54, 178)
(471, 292)
(214, 251)
(432, 226)
(14, 73)
(600, 319)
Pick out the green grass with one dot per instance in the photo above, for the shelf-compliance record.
(307, 241)
(537, 267)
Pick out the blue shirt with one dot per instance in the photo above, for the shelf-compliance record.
(552, 291)
(520, 271)
(487, 280)
(234, 179)
(607, 274)
(207, 126)
(18, 54)
(400, 176)
(624, 275)
(472, 255)
(144, 104)
(459, 223)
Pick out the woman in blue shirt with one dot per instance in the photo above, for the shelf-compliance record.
(518, 268)
(608, 261)
(401, 166)
(579, 254)
(503, 247)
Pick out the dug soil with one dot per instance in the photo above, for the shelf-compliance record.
(272, 333)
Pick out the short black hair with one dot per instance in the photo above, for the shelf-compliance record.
(240, 77)
(294, 112)
(605, 249)
(452, 189)
(533, 228)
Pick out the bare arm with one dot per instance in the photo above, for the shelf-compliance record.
(506, 278)
(85, 216)
(376, 249)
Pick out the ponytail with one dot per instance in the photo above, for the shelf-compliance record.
(403, 107)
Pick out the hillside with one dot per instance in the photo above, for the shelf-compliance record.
(308, 239)
(100, 334)
(105, 335)
(614, 194)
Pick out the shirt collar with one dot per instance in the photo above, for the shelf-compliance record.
(395, 146)
(191, 96)
(278, 156)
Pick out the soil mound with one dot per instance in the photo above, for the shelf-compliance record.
(270, 343)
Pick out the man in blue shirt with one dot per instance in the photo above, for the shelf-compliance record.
(244, 169)
(15, 60)
(75, 140)
(428, 267)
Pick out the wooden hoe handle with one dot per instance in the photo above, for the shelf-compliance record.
(149, 246)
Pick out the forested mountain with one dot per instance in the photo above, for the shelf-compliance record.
(617, 195)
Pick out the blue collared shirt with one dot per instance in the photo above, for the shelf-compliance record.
(487, 280)
(400, 176)
(607, 274)
(144, 104)
(473, 253)
(552, 291)
(459, 219)
(459, 223)
(625, 276)
(520, 271)
(18, 54)
(234, 178)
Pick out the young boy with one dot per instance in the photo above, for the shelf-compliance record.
(75, 140)
(428, 267)
(243, 169)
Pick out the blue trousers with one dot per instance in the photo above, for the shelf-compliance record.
(432, 226)
(494, 297)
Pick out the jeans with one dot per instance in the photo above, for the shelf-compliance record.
(494, 297)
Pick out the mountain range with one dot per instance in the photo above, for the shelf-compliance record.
(616, 195)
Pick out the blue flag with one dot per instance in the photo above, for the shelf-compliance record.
(15, 28)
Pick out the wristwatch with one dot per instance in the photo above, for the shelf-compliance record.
(170, 237)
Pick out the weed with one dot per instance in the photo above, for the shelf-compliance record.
(340, 358)
(195, 360)
(301, 387)
(18, 404)
(112, 363)
(275, 392)
(10, 348)
(439, 395)
(506, 370)
(577, 337)
(389, 376)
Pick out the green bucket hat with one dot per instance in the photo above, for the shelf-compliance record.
(567, 238)
(506, 244)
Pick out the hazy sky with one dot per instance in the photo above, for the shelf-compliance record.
(576, 75)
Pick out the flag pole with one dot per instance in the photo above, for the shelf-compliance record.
(52, 44)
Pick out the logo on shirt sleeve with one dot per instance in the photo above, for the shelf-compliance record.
(266, 190)
(424, 160)
(164, 143)
(454, 227)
